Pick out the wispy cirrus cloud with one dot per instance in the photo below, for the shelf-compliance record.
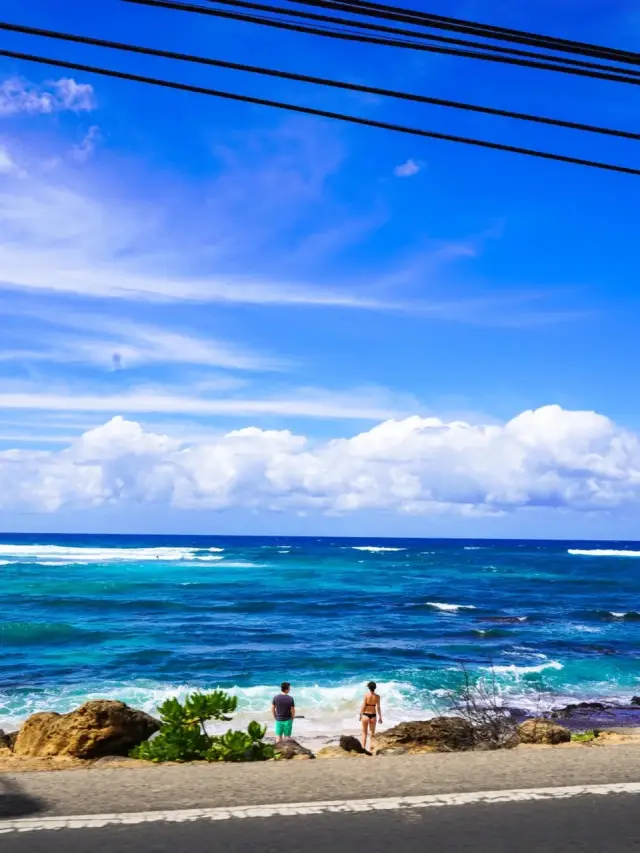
(68, 337)
(311, 403)
(85, 149)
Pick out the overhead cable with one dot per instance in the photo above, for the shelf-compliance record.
(363, 7)
(358, 120)
(358, 37)
(306, 78)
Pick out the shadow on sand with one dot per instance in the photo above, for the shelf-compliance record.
(15, 803)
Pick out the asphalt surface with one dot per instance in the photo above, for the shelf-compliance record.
(144, 788)
(585, 824)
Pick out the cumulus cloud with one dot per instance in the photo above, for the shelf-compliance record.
(20, 96)
(545, 458)
(407, 169)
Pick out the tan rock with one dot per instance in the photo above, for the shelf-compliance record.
(543, 732)
(338, 752)
(97, 728)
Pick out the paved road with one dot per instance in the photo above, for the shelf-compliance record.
(204, 786)
(583, 824)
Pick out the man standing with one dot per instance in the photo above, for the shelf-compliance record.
(284, 711)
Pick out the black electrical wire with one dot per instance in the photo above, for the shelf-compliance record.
(399, 31)
(363, 7)
(248, 99)
(357, 37)
(306, 78)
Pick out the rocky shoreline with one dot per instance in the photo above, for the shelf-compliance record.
(102, 733)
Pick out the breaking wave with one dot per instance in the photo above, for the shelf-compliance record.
(602, 552)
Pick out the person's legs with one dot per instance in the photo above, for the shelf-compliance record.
(372, 732)
(365, 729)
(283, 729)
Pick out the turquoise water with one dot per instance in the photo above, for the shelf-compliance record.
(141, 618)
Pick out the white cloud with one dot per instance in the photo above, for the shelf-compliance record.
(84, 150)
(407, 169)
(108, 342)
(544, 458)
(20, 96)
(303, 403)
(68, 234)
(7, 163)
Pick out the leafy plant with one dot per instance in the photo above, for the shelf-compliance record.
(583, 737)
(183, 735)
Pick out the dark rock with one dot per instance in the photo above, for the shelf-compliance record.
(351, 744)
(290, 748)
(442, 734)
(97, 728)
(7, 739)
(636, 700)
(578, 708)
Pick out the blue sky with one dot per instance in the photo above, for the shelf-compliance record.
(194, 268)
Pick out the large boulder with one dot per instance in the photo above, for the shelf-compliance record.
(290, 748)
(442, 734)
(96, 729)
(543, 732)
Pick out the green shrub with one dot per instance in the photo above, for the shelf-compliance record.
(183, 736)
(583, 737)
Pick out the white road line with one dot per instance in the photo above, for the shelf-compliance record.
(313, 808)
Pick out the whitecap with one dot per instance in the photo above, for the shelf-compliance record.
(65, 555)
(474, 547)
(513, 669)
(375, 549)
(602, 552)
(450, 608)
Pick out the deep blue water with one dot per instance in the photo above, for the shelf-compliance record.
(143, 617)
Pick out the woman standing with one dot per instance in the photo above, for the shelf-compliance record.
(371, 709)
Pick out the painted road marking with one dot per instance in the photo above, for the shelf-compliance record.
(98, 821)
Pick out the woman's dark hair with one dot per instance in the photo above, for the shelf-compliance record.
(372, 686)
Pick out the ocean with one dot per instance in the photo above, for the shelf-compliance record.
(142, 618)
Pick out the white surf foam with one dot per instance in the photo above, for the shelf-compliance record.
(375, 549)
(449, 608)
(326, 711)
(602, 552)
(515, 670)
(65, 555)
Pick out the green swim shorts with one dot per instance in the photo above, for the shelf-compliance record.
(284, 728)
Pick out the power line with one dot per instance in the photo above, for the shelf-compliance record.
(357, 37)
(398, 31)
(306, 78)
(364, 7)
(248, 99)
